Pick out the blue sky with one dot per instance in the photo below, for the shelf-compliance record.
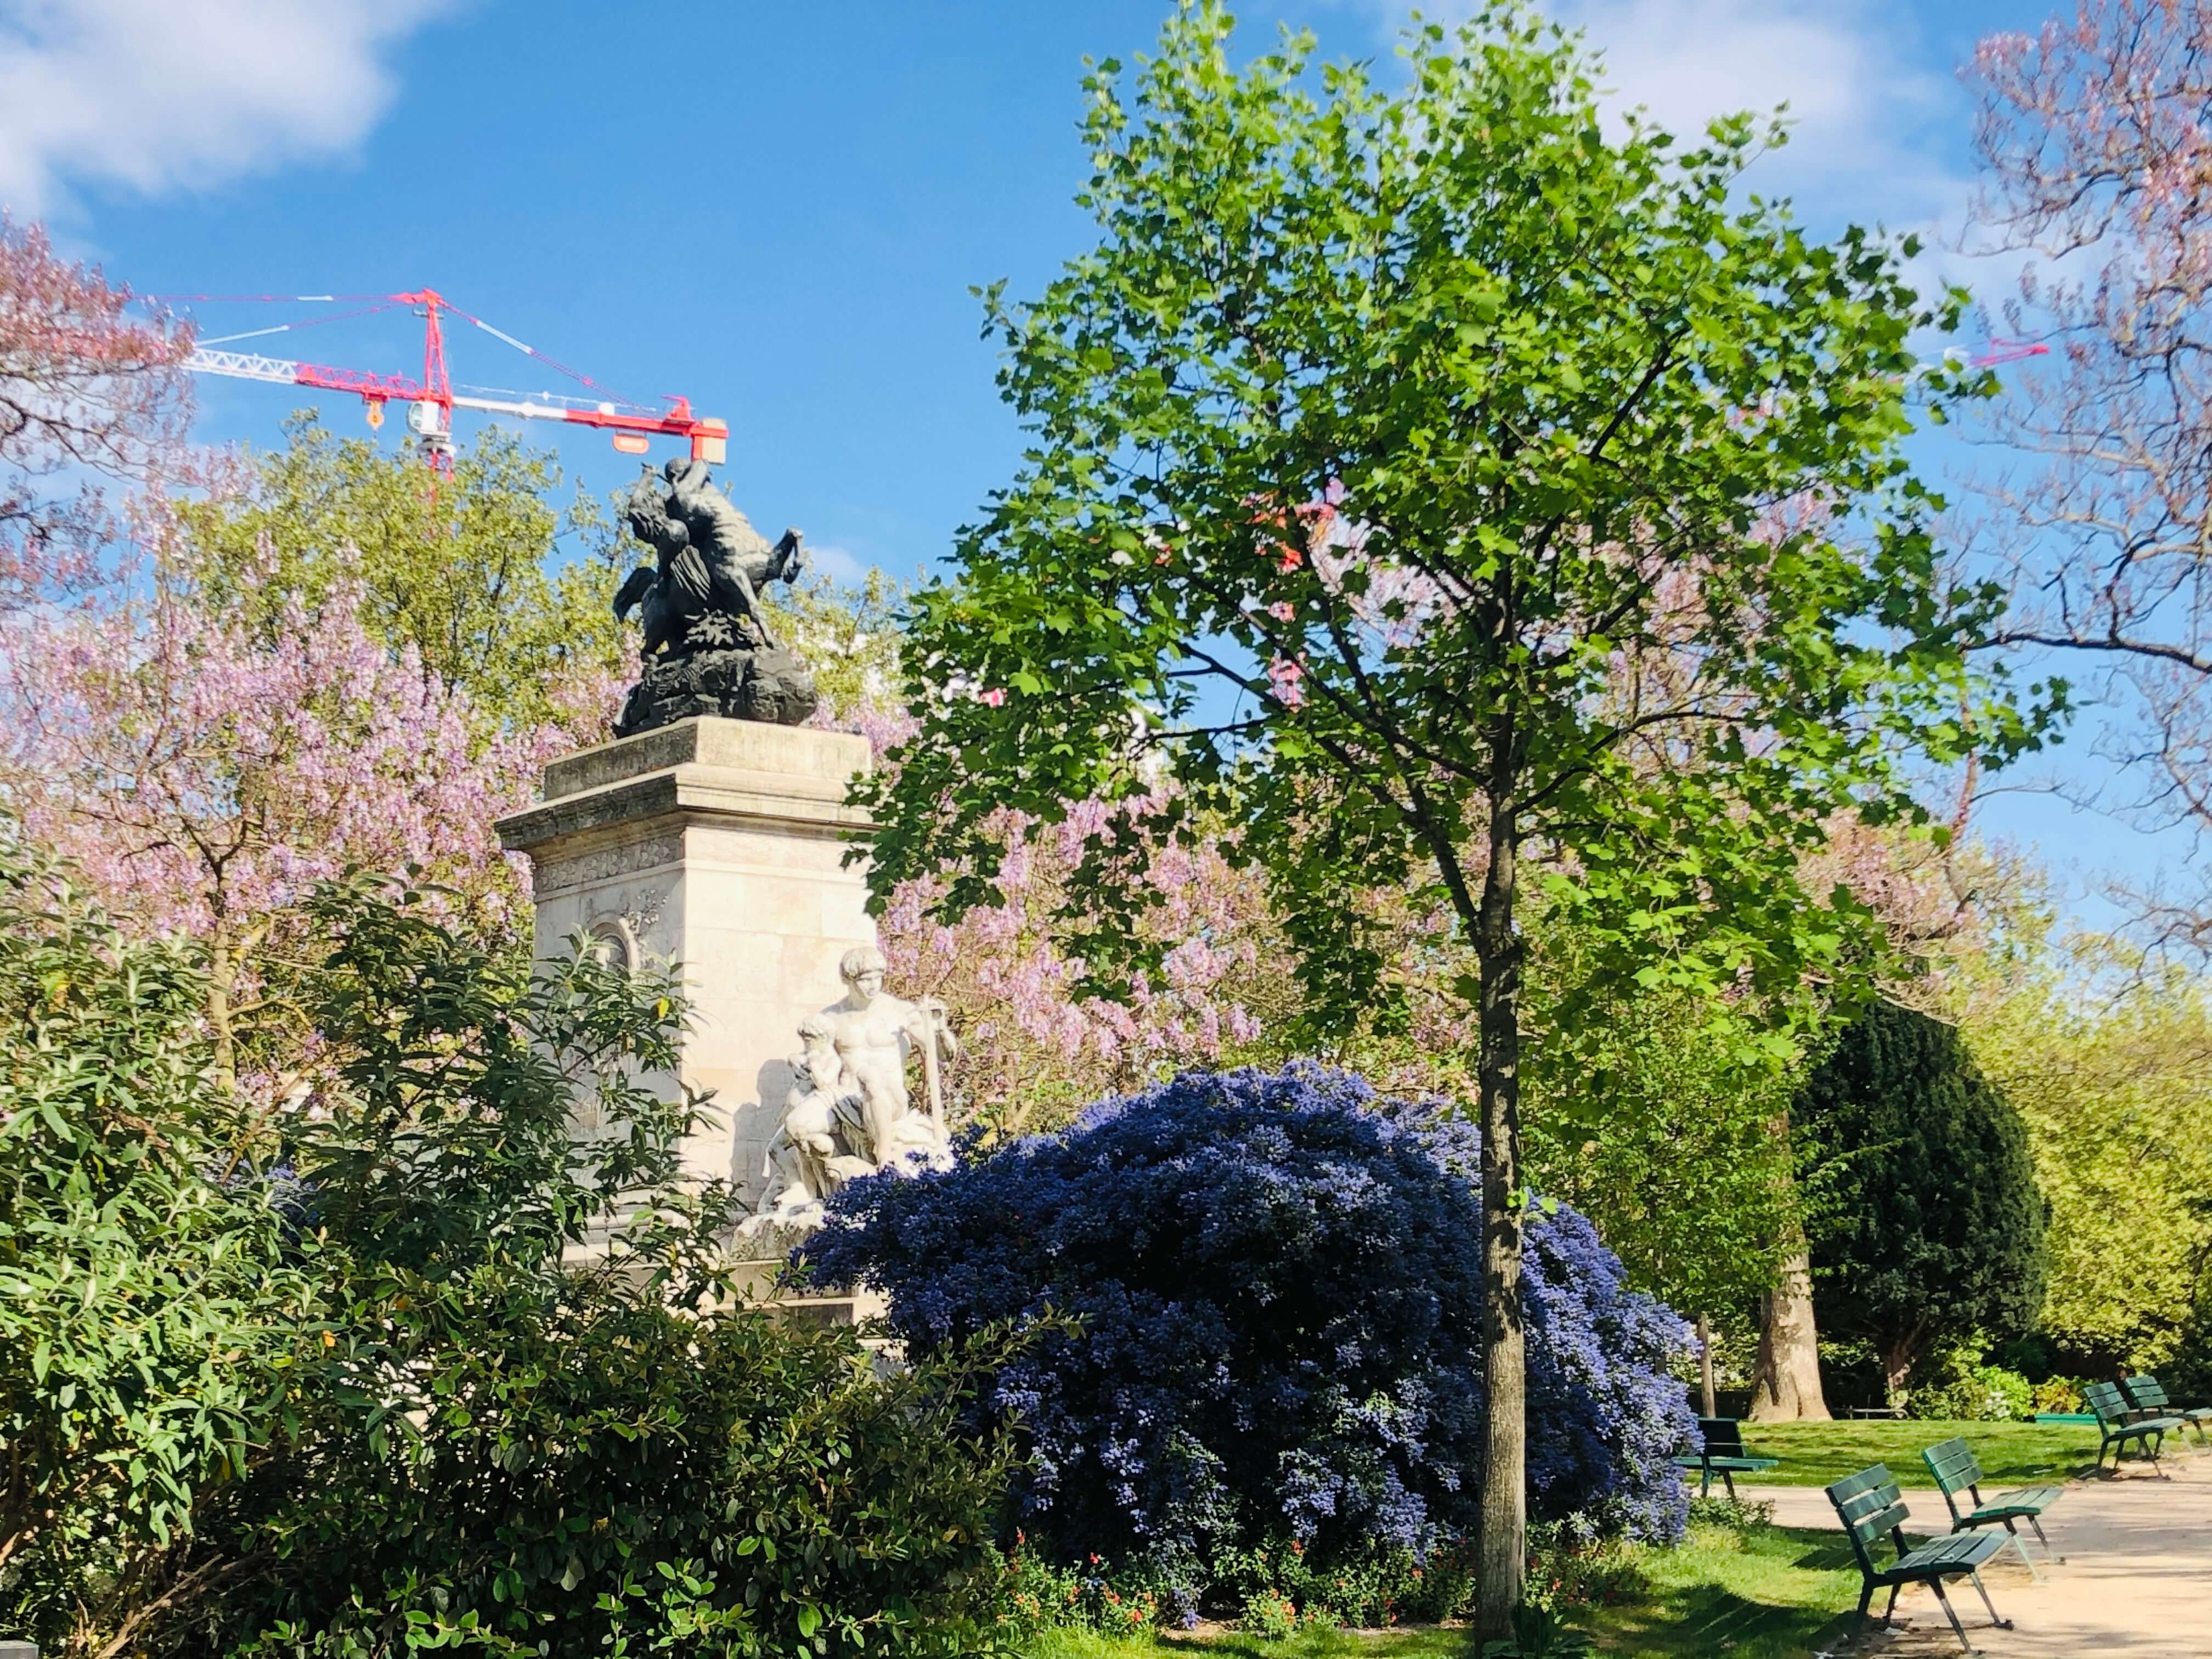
(778, 209)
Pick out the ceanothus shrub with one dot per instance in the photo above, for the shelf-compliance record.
(1278, 1278)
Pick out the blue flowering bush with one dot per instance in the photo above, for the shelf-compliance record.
(1277, 1277)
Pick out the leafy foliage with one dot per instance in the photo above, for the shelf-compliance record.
(1963, 1390)
(2112, 1067)
(539, 1452)
(1660, 1114)
(457, 574)
(415, 1365)
(1928, 1225)
(152, 1323)
(1428, 482)
(1279, 1277)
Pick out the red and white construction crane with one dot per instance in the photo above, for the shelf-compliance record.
(432, 400)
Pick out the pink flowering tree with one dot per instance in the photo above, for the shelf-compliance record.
(1040, 1038)
(2095, 150)
(87, 393)
(204, 777)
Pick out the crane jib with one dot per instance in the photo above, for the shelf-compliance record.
(431, 399)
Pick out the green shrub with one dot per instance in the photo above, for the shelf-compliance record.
(1268, 1615)
(1377, 1587)
(1733, 1513)
(579, 1455)
(1975, 1394)
(2057, 1393)
(1565, 1570)
(1045, 1595)
(153, 1323)
(355, 1392)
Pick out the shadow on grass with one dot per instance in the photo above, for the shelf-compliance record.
(1757, 1592)
(1322, 1644)
(1829, 1555)
(1764, 1593)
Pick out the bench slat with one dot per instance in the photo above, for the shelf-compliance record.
(1955, 1466)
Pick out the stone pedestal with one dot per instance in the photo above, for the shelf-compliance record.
(718, 845)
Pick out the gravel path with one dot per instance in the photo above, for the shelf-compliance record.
(2135, 1583)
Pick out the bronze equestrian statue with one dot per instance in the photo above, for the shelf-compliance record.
(710, 560)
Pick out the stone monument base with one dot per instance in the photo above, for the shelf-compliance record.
(718, 846)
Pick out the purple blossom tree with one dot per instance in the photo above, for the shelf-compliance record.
(1278, 1279)
(86, 392)
(203, 776)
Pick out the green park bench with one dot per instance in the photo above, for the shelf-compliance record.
(1868, 1505)
(2148, 1395)
(1958, 1470)
(1721, 1453)
(2117, 1423)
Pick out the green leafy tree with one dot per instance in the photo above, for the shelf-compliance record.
(460, 567)
(1403, 483)
(151, 1321)
(1658, 1114)
(1925, 1222)
(2110, 1064)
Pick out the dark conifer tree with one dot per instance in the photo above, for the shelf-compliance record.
(1926, 1224)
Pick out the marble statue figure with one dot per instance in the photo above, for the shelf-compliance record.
(850, 1110)
(875, 1034)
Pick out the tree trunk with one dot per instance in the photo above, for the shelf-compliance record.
(1708, 1406)
(222, 982)
(1787, 1386)
(1898, 1359)
(1502, 1554)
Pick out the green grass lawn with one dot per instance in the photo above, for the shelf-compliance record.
(1763, 1593)
(1815, 1454)
(1769, 1593)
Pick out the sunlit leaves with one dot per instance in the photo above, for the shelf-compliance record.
(1554, 388)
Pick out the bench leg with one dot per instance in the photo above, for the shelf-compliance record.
(2153, 1444)
(1728, 1480)
(2041, 1539)
(1951, 1613)
(1975, 1574)
(1705, 1486)
(1887, 1613)
(2020, 1547)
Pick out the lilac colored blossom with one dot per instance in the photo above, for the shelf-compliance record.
(1278, 1279)
(203, 776)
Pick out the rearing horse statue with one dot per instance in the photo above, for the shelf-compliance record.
(710, 557)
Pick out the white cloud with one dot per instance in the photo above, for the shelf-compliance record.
(840, 564)
(1866, 112)
(162, 96)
